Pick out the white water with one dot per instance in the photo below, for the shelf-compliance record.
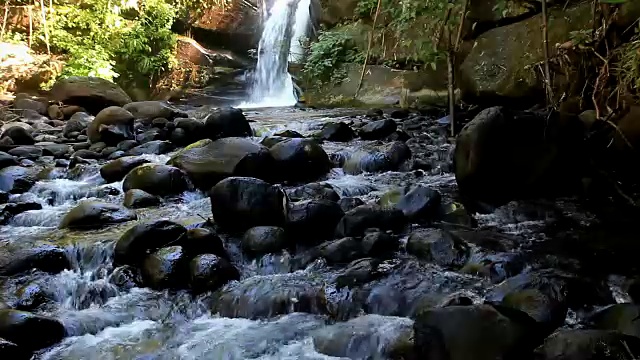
(281, 42)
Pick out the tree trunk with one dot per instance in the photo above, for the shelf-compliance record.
(366, 56)
(545, 44)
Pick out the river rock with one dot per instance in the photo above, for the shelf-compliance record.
(11, 210)
(341, 251)
(166, 268)
(588, 345)
(58, 151)
(126, 277)
(240, 203)
(208, 272)
(77, 124)
(146, 111)
(476, 332)
(379, 244)
(270, 141)
(155, 147)
(86, 154)
(358, 272)
(54, 112)
(272, 295)
(225, 123)
(207, 165)
(92, 93)
(439, 247)
(156, 179)
(618, 317)
(388, 157)
(350, 203)
(7, 160)
(116, 170)
(111, 125)
(9, 350)
(502, 155)
(95, 214)
(312, 221)
(421, 204)
(292, 134)
(356, 221)
(142, 239)
(44, 257)
(261, 240)
(192, 130)
(30, 297)
(17, 179)
(300, 160)
(19, 135)
(138, 199)
(365, 337)
(25, 103)
(19, 327)
(313, 191)
(377, 130)
(336, 131)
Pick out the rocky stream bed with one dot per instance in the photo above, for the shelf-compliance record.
(153, 231)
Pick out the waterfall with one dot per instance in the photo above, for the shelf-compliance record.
(281, 41)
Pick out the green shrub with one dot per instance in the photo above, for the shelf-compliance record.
(327, 56)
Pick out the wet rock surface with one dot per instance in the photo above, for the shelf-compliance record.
(332, 233)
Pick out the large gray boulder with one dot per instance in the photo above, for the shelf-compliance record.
(111, 126)
(92, 93)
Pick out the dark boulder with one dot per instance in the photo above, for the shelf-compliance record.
(619, 317)
(292, 134)
(92, 93)
(187, 131)
(19, 327)
(421, 204)
(138, 199)
(147, 111)
(166, 268)
(438, 246)
(350, 203)
(18, 135)
(264, 239)
(95, 214)
(9, 350)
(58, 151)
(43, 257)
(309, 222)
(86, 154)
(208, 272)
(300, 160)
(7, 160)
(126, 277)
(116, 170)
(76, 124)
(156, 179)
(11, 210)
(358, 272)
(588, 345)
(207, 165)
(502, 155)
(356, 221)
(341, 251)
(154, 147)
(142, 239)
(240, 203)
(30, 297)
(476, 332)
(17, 179)
(388, 157)
(200, 240)
(224, 123)
(377, 130)
(313, 191)
(25, 103)
(379, 244)
(111, 126)
(336, 131)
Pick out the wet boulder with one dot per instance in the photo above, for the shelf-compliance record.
(156, 179)
(588, 345)
(58, 151)
(272, 295)
(43, 257)
(292, 134)
(166, 268)
(19, 327)
(264, 239)
(300, 160)
(378, 129)
(154, 147)
(26, 152)
(92, 93)
(476, 332)
(224, 123)
(420, 204)
(350, 203)
(117, 169)
(358, 272)
(312, 221)
(76, 124)
(30, 297)
(201, 240)
(7, 160)
(356, 221)
(365, 337)
(126, 277)
(192, 130)
(9, 350)
(11, 210)
(18, 135)
(341, 251)
(143, 239)
(111, 126)
(313, 191)
(439, 247)
(379, 244)
(209, 272)
(138, 199)
(388, 157)
(270, 141)
(26, 103)
(336, 131)
(147, 111)
(17, 179)
(502, 155)
(207, 165)
(95, 214)
(618, 317)
(240, 203)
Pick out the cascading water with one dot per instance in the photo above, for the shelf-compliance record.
(280, 43)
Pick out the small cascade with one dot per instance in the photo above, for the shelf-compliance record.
(284, 30)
